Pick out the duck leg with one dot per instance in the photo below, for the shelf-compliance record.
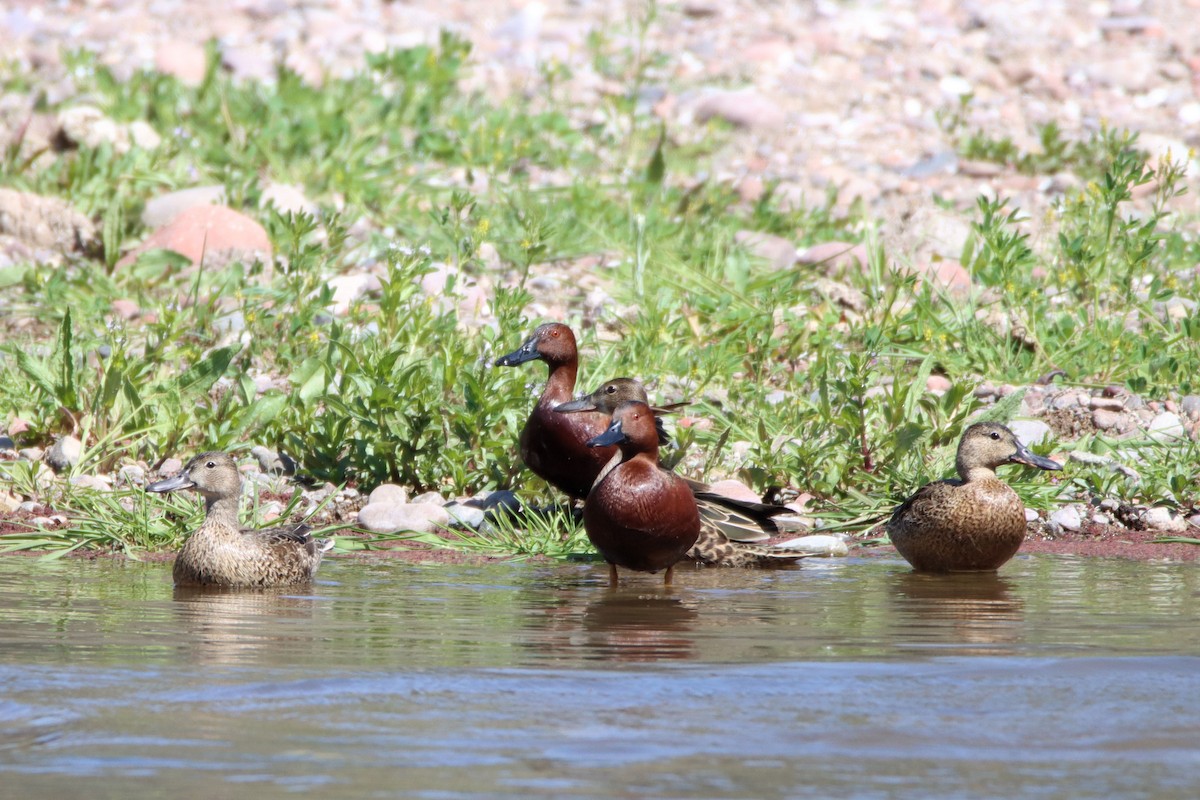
(612, 576)
(670, 573)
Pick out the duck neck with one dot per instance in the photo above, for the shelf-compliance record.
(222, 510)
(560, 386)
(975, 473)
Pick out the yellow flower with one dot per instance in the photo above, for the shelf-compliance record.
(526, 244)
(483, 227)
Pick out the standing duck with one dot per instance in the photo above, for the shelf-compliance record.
(554, 446)
(220, 553)
(638, 515)
(975, 522)
(731, 530)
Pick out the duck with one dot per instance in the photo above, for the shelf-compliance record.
(638, 515)
(220, 552)
(732, 531)
(973, 523)
(554, 446)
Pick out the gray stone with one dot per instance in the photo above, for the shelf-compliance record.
(1030, 431)
(65, 453)
(273, 462)
(1166, 427)
(1190, 405)
(1109, 403)
(170, 467)
(433, 498)
(166, 207)
(466, 516)
(1106, 420)
(97, 483)
(285, 198)
(1101, 519)
(1067, 518)
(778, 252)
(1031, 515)
(46, 222)
(1194, 520)
(132, 475)
(388, 494)
(31, 453)
(391, 517)
(1163, 519)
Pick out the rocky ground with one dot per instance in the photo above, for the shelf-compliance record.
(845, 96)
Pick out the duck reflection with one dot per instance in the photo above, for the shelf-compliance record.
(971, 612)
(239, 626)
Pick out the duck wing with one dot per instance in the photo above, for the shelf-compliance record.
(714, 547)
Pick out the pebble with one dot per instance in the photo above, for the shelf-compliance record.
(938, 384)
(215, 234)
(87, 126)
(1163, 519)
(273, 462)
(1030, 432)
(1106, 420)
(64, 453)
(46, 222)
(835, 257)
(285, 198)
(9, 502)
(1068, 518)
(742, 109)
(349, 289)
(183, 60)
(388, 494)
(165, 207)
(170, 467)
(466, 516)
(1031, 515)
(31, 453)
(1166, 427)
(393, 517)
(132, 475)
(1190, 405)
(125, 309)
(777, 252)
(735, 490)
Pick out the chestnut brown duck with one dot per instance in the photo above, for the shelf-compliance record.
(732, 532)
(220, 552)
(975, 522)
(638, 515)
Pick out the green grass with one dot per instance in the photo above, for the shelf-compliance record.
(398, 390)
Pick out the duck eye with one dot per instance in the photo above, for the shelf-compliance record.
(554, 334)
(211, 465)
(995, 435)
(610, 389)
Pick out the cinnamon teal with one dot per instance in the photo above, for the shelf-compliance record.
(220, 552)
(732, 531)
(638, 515)
(975, 522)
(554, 446)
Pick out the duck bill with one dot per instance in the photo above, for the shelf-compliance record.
(582, 404)
(1024, 456)
(180, 481)
(614, 435)
(526, 352)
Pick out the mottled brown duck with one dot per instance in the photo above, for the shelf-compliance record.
(732, 531)
(975, 522)
(639, 515)
(220, 552)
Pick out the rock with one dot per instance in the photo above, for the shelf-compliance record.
(7, 444)
(778, 252)
(348, 289)
(285, 198)
(700, 8)
(945, 273)
(1190, 406)
(735, 490)
(1166, 427)
(499, 500)
(1031, 515)
(46, 222)
(1164, 520)
(215, 234)
(17, 426)
(742, 109)
(97, 483)
(1029, 431)
(64, 454)
(843, 294)
(87, 126)
(432, 498)
(393, 517)
(125, 309)
(183, 60)
(9, 502)
(1107, 403)
(165, 207)
(1106, 420)
(1101, 519)
(30, 453)
(273, 462)
(1194, 520)
(466, 516)
(1068, 518)
(835, 257)
(819, 544)
(388, 494)
(132, 475)
(938, 384)
(169, 467)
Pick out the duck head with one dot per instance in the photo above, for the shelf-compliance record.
(634, 429)
(987, 445)
(214, 475)
(608, 397)
(553, 343)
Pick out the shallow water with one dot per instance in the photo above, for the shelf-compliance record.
(850, 677)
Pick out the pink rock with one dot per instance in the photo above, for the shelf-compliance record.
(743, 109)
(938, 384)
(125, 309)
(735, 490)
(17, 425)
(835, 256)
(699, 423)
(183, 60)
(946, 274)
(775, 250)
(1105, 419)
(216, 235)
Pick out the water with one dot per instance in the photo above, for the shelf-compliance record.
(849, 678)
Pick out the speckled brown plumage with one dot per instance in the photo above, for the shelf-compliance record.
(219, 552)
(638, 515)
(975, 522)
(732, 531)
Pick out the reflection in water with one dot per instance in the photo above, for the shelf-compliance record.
(230, 626)
(964, 609)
